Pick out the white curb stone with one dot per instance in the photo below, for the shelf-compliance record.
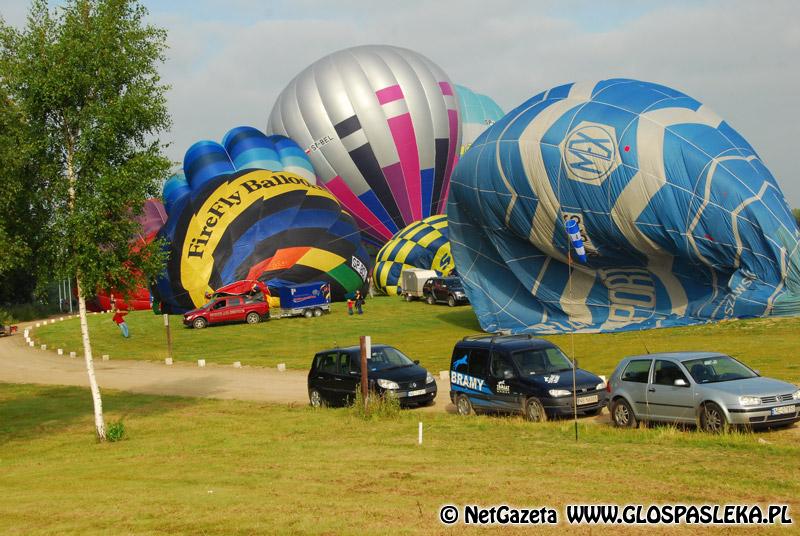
(201, 362)
(237, 364)
(106, 357)
(168, 361)
(282, 367)
(60, 351)
(73, 354)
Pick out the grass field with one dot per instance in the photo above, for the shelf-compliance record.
(224, 467)
(422, 331)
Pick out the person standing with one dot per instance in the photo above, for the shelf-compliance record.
(359, 302)
(350, 306)
(119, 319)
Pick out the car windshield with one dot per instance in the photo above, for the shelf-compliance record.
(454, 283)
(541, 361)
(718, 368)
(388, 358)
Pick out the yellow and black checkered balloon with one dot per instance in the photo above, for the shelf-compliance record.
(423, 244)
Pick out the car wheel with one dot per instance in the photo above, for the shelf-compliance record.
(315, 398)
(317, 312)
(430, 299)
(451, 301)
(463, 405)
(253, 318)
(534, 410)
(199, 323)
(712, 419)
(622, 414)
(308, 313)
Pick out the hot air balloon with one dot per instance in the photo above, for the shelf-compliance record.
(679, 220)
(151, 219)
(477, 113)
(380, 125)
(250, 210)
(423, 244)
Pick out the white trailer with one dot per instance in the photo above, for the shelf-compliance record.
(412, 281)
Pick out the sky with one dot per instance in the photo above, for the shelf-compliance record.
(228, 61)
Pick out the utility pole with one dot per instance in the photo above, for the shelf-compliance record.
(169, 339)
(366, 349)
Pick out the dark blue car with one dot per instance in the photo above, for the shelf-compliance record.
(520, 374)
(335, 375)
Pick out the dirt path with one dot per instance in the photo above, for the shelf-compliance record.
(21, 364)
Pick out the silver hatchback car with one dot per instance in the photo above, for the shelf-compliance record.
(710, 389)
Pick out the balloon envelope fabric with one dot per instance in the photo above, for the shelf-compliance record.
(423, 244)
(380, 124)
(477, 112)
(236, 221)
(681, 220)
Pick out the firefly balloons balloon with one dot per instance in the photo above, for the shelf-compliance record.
(681, 222)
(380, 125)
(477, 113)
(243, 215)
(422, 244)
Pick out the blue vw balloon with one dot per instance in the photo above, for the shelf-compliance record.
(681, 222)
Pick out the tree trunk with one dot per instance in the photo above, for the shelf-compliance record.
(99, 424)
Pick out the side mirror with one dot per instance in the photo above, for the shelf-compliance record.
(508, 374)
(680, 382)
(416, 361)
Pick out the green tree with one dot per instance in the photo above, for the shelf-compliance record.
(85, 77)
(22, 210)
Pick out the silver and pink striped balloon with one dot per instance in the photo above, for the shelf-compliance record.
(381, 127)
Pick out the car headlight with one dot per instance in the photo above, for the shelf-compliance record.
(558, 392)
(388, 384)
(600, 386)
(796, 395)
(429, 379)
(749, 400)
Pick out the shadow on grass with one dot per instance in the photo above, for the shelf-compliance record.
(462, 317)
(30, 411)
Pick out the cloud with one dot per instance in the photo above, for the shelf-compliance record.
(227, 64)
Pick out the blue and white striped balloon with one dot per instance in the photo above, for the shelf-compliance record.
(682, 220)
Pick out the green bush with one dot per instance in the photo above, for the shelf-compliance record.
(378, 406)
(25, 312)
(115, 431)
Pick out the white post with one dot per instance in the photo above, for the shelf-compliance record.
(419, 438)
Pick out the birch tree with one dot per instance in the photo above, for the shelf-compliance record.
(85, 78)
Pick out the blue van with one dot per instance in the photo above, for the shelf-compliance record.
(520, 374)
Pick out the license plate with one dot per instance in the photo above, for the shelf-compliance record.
(783, 410)
(417, 392)
(583, 400)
